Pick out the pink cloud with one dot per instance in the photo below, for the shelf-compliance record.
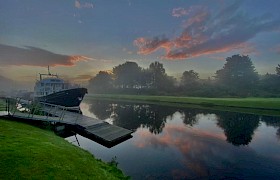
(147, 46)
(194, 144)
(32, 56)
(207, 32)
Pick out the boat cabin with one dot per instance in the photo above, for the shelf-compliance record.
(48, 86)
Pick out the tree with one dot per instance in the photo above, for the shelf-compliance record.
(269, 85)
(278, 70)
(101, 83)
(127, 75)
(189, 78)
(238, 74)
(159, 79)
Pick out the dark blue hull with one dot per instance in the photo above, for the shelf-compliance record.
(67, 98)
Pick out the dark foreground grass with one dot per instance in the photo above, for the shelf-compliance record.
(28, 152)
(262, 106)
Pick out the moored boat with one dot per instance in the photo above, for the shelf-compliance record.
(54, 90)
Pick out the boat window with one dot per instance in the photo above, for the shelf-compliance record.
(42, 84)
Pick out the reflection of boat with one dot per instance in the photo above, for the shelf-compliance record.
(51, 89)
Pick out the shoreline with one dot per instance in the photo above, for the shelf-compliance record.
(259, 106)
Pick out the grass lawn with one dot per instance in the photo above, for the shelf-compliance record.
(265, 106)
(28, 152)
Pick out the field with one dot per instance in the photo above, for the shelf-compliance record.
(262, 106)
(29, 152)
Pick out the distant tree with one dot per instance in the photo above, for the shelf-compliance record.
(238, 73)
(101, 83)
(157, 74)
(145, 79)
(189, 78)
(127, 75)
(278, 70)
(269, 85)
(159, 79)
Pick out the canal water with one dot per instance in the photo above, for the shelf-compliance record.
(186, 143)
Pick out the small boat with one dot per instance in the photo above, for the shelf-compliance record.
(54, 90)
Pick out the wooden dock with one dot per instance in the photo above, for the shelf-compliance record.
(97, 130)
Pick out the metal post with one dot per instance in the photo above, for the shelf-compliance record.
(35, 108)
(55, 109)
(64, 109)
(77, 140)
(7, 106)
(30, 107)
(61, 115)
(16, 106)
(78, 114)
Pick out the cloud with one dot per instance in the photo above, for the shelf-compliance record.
(147, 46)
(209, 32)
(32, 56)
(127, 51)
(276, 49)
(79, 5)
(178, 12)
(82, 78)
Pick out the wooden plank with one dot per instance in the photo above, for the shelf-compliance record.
(108, 132)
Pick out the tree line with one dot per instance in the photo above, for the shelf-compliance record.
(237, 78)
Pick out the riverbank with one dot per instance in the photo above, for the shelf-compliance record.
(261, 106)
(28, 152)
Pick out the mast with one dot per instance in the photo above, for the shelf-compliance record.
(49, 74)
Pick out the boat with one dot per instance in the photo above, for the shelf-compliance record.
(54, 90)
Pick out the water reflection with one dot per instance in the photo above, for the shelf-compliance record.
(176, 143)
(238, 128)
(133, 116)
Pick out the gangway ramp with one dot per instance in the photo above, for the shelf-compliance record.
(101, 131)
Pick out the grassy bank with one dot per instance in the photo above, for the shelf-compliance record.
(265, 106)
(28, 152)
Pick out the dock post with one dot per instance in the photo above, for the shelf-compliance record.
(78, 114)
(35, 108)
(7, 106)
(16, 105)
(30, 108)
(61, 115)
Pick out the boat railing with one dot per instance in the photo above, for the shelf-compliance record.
(42, 111)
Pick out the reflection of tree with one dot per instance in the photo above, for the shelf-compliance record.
(101, 109)
(133, 116)
(189, 116)
(274, 122)
(278, 133)
(271, 121)
(238, 128)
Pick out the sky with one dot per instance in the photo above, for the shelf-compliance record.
(79, 38)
